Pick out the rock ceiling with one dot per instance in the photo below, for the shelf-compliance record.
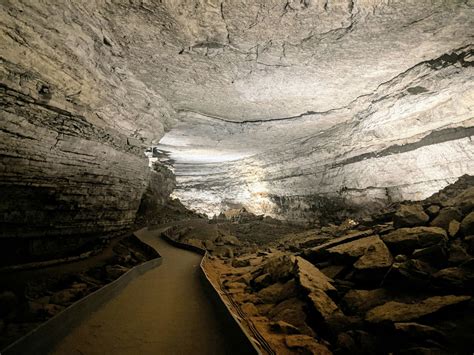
(280, 105)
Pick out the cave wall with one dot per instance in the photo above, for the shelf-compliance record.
(406, 140)
(74, 125)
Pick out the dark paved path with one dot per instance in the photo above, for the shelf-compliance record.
(164, 311)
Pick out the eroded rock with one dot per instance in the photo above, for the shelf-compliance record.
(410, 216)
(405, 240)
(402, 312)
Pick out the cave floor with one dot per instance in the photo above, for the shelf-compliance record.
(164, 311)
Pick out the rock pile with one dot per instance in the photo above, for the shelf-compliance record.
(402, 284)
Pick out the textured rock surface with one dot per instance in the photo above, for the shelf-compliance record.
(291, 108)
(74, 120)
(401, 312)
(330, 112)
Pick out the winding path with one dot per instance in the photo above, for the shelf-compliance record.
(164, 311)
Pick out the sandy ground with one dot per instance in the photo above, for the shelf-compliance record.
(164, 311)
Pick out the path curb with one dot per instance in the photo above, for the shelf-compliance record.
(45, 337)
(223, 308)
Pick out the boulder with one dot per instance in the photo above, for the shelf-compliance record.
(277, 292)
(457, 254)
(249, 309)
(467, 224)
(417, 331)
(405, 240)
(376, 256)
(455, 278)
(240, 262)
(445, 216)
(323, 305)
(245, 278)
(434, 254)
(469, 241)
(403, 312)
(262, 281)
(333, 271)
(410, 216)
(433, 210)
(320, 250)
(351, 251)
(411, 273)
(464, 200)
(280, 268)
(223, 252)
(291, 311)
(453, 228)
(310, 278)
(359, 301)
(306, 345)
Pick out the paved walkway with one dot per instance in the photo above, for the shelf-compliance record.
(164, 311)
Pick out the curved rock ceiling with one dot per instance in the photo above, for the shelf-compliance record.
(285, 106)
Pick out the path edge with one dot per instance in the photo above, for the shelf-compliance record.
(46, 336)
(214, 293)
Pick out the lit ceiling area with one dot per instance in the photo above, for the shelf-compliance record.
(359, 102)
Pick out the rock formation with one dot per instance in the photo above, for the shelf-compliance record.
(296, 109)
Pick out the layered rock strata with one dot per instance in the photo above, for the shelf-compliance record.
(74, 124)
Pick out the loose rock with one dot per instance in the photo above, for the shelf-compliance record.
(409, 216)
(402, 312)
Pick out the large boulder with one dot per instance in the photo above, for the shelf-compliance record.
(376, 257)
(410, 216)
(458, 278)
(352, 250)
(403, 312)
(467, 224)
(362, 300)
(434, 254)
(280, 267)
(323, 305)
(416, 331)
(445, 216)
(320, 252)
(310, 278)
(405, 240)
(410, 274)
(277, 292)
(291, 311)
(464, 200)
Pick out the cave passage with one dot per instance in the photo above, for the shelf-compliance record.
(165, 311)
